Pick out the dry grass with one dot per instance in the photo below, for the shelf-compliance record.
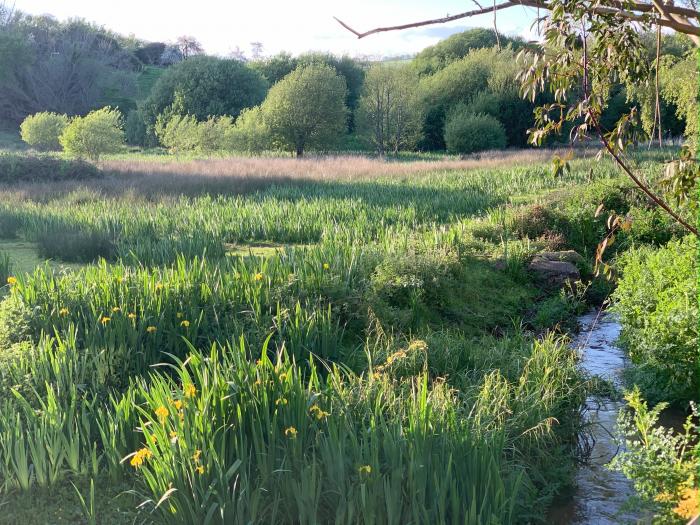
(241, 175)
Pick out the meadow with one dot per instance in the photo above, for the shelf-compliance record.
(322, 340)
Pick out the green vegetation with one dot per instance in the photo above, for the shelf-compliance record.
(96, 134)
(42, 130)
(467, 133)
(657, 300)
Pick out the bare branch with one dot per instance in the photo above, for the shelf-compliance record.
(673, 17)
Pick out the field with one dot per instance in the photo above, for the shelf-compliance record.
(341, 339)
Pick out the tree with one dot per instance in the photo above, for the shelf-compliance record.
(189, 46)
(256, 50)
(96, 134)
(206, 86)
(587, 47)
(150, 53)
(466, 132)
(307, 108)
(62, 67)
(42, 130)
(388, 111)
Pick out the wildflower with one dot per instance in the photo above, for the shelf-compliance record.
(291, 432)
(281, 401)
(132, 316)
(318, 412)
(159, 286)
(190, 390)
(257, 382)
(105, 320)
(140, 456)
(151, 329)
(326, 266)
(283, 376)
(259, 362)
(116, 309)
(177, 404)
(154, 439)
(162, 413)
(196, 455)
(63, 312)
(365, 469)
(120, 280)
(200, 469)
(258, 276)
(173, 435)
(11, 280)
(185, 323)
(179, 315)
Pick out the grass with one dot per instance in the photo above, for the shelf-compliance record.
(295, 341)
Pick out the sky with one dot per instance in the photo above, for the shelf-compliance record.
(282, 25)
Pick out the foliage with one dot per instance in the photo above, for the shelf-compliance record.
(657, 301)
(661, 462)
(679, 85)
(178, 133)
(42, 130)
(16, 168)
(97, 133)
(249, 133)
(388, 110)
(306, 109)
(204, 87)
(469, 133)
(455, 47)
(135, 130)
(62, 67)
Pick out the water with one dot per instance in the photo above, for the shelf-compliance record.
(600, 494)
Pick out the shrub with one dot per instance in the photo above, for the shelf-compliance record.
(97, 133)
(658, 305)
(135, 130)
(16, 167)
(250, 133)
(178, 133)
(467, 133)
(42, 130)
(212, 134)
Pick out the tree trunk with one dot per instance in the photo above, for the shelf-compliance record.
(300, 151)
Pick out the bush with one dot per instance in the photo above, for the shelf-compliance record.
(658, 305)
(467, 133)
(135, 130)
(15, 167)
(42, 130)
(178, 132)
(97, 133)
(212, 134)
(250, 133)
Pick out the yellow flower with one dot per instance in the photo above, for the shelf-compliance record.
(116, 309)
(162, 413)
(63, 312)
(190, 390)
(132, 316)
(281, 401)
(151, 329)
(326, 266)
(177, 404)
(196, 455)
(200, 469)
(318, 412)
(140, 456)
(173, 435)
(258, 276)
(179, 315)
(291, 432)
(120, 280)
(154, 439)
(283, 376)
(258, 382)
(365, 469)
(11, 280)
(259, 362)
(159, 286)
(105, 320)
(185, 323)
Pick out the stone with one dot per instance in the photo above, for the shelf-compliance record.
(553, 271)
(564, 256)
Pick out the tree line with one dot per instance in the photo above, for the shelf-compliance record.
(461, 95)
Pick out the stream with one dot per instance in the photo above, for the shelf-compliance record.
(600, 494)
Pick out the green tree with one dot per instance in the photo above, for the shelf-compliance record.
(306, 109)
(207, 87)
(388, 112)
(96, 134)
(468, 133)
(42, 130)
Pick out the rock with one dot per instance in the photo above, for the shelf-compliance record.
(564, 256)
(554, 268)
